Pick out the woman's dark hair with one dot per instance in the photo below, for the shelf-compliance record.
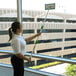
(13, 29)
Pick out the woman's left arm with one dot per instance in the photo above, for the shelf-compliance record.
(32, 37)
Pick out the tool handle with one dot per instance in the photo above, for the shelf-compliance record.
(41, 29)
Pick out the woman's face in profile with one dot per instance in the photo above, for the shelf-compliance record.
(20, 29)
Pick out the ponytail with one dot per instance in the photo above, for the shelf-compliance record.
(10, 33)
(12, 30)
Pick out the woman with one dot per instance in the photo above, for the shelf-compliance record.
(18, 44)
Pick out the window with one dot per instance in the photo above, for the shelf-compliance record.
(7, 19)
(45, 41)
(28, 19)
(48, 50)
(3, 32)
(50, 30)
(28, 31)
(69, 47)
(49, 20)
(70, 39)
(70, 30)
(71, 21)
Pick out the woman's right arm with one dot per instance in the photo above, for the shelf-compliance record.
(17, 47)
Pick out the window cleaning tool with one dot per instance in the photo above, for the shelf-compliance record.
(41, 30)
(47, 7)
(36, 42)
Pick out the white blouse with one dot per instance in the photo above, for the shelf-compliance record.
(18, 44)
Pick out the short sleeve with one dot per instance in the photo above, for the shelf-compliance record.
(16, 46)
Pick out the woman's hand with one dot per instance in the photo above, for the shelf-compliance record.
(28, 59)
(38, 34)
(23, 57)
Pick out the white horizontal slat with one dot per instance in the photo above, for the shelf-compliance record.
(37, 25)
(45, 46)
(51, 45)
(46, 36)
(60, 52)
(70, 35)
(4, 38)
(70, 43)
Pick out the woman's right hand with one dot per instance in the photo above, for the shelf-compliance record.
(23, 57)
(28, 59)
